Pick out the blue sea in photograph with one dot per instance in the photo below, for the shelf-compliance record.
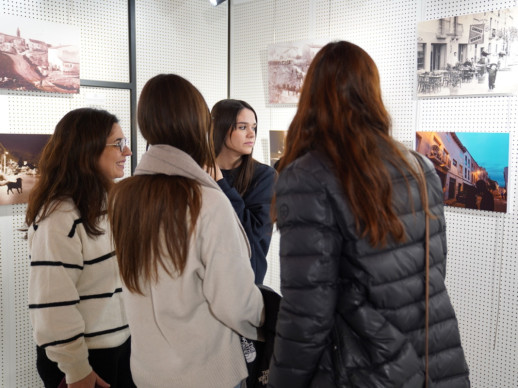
(490, 150)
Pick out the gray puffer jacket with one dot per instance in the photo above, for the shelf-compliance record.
(353, 315)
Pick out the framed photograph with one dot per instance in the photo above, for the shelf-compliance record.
(288, 64)
(38, 56)
(472, 166)
(19, 156)
(464, 55)
(276, 146)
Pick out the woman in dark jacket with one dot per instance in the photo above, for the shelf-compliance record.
(350, 206)
(247, 183)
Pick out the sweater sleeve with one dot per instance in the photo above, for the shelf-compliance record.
(228, 284)
(310, 247)
(253, 210)
(56, 265)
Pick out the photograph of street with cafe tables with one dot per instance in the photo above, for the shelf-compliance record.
(472, 166)
(473, 54)
(19, 155)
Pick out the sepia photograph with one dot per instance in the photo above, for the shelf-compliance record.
(19, 155)
(464, 55)
(473, 167)
(288, 64)
(38, 56)
(276, 146)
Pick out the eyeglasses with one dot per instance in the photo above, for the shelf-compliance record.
(120, 143)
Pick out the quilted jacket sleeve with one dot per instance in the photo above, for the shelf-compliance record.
(310, 249)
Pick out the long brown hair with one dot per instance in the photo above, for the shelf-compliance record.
(341, 113)
(69, 168)
(224, 114)
(154, 216)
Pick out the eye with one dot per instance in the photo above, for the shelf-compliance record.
(241, 127)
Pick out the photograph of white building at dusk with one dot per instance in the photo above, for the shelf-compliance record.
(472, 167)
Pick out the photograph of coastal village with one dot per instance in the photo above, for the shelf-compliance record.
(38, 56)
(472, 167)
(19, 155)
(473, 54)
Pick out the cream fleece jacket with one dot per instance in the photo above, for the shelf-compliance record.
(185, 329)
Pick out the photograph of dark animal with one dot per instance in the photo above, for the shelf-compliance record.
(15, 185)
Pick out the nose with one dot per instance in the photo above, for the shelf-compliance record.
(127, 151)
(250, 132)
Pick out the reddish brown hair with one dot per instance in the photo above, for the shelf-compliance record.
(341, 113)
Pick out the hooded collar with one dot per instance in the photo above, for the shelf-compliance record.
(169, 160)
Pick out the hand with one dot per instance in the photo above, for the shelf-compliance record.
(217, 175)
(89, 382)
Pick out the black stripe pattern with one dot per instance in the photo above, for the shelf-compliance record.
(53, 304)
(72, 302)
(86, 335)
(72, 266)
(100, 296)
(73, 230)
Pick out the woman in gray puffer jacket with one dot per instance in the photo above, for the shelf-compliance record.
(350, 206)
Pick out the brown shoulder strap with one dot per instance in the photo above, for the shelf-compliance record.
(427, 265)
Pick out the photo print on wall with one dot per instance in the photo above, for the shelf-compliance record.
(472, 167)
(464, 55)
(19, 156)
(38, 56)
(276, 146)
(288, 64)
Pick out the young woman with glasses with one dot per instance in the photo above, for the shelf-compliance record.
(247, 183)
(182, 252)
(75, 303)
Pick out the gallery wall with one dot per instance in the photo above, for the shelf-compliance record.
(482, 246)
(187, 37)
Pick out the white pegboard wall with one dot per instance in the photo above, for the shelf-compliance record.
(507, 335)
(104, 41)
(115, 101)
(387, 31)
(37, 113)
(104, 56)
(188, 38)
(24, 346)
(3, 307)
(483, 246)
(488, 113)
(472, 279)
(249, 61)
(436, 9)
(393, 48)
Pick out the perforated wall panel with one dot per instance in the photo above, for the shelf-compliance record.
(185, 37)
(481, 272)
(188, 38)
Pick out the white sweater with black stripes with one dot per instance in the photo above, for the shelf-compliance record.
(75, 299)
